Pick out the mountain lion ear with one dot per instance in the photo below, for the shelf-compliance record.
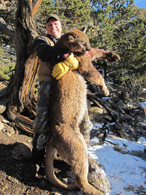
(84, 29)
(70, 39)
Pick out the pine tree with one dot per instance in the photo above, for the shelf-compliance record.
(73, 14)
(119, 26)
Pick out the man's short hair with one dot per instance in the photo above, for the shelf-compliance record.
(55, 16)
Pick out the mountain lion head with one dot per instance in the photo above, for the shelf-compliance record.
(75, 41)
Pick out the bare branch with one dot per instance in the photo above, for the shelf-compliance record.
(5, 30)
(35, 8)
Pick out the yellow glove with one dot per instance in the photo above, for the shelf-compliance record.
(71, 63)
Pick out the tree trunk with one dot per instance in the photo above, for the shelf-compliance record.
(20, 91)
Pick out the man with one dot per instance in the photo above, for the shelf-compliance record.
(46, 53)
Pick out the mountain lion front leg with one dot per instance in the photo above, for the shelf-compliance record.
(87, 69)
(97, 54)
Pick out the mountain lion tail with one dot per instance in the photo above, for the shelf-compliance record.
(50, 170)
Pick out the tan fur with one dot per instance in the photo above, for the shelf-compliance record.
(68, 108)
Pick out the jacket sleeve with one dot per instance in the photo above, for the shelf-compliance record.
(46, 52)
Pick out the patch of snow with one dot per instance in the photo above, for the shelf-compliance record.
(126, 173)
(142, 104)
(97, 126)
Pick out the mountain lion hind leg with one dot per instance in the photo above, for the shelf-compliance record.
(77, 156)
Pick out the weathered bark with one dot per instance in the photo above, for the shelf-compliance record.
(20, 91)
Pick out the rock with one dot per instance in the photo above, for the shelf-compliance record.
(1, 123)
(6, 126)
(10, 129)
(21, 152)
(1, 126)
(96, 110)
(97, 177)
(4, 100)
(95, 113)
(3, 104)
(121, 104)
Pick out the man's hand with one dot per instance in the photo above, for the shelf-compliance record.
(71, 63)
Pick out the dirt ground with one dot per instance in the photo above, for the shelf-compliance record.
(11, 170)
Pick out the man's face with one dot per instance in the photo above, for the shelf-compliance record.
(54, 28)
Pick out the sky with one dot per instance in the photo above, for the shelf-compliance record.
(140, 3)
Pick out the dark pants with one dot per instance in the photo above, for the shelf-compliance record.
(41, 124)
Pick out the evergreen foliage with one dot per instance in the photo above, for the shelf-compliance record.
(73, 14)
(7, 15)
(120, 26)
(7, 67)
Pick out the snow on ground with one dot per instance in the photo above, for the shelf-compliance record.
(125, 172)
